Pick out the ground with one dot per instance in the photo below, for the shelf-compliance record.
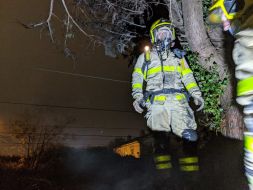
(221, 162)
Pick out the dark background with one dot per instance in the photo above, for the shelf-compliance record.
(35, 74)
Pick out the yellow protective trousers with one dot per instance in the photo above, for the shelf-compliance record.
(171, 113)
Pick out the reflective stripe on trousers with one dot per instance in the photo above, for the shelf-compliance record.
(189, 164)
(163, 162)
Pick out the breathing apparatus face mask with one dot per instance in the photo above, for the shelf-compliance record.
(163, 39)
(218, 17)
(223, 13)
(215, 16)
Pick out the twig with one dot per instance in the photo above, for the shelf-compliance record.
(66, 33)
(49, 19)
(74, 22)
(131, 23)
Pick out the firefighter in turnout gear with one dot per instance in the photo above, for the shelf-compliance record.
(237, 18)
(168, 82)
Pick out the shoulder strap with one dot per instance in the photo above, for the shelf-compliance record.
(147, 60)
(182, 64)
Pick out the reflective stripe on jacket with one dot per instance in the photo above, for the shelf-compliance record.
(172, 73)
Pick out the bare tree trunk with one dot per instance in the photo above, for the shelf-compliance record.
(197, 37)
(200, 42)
(233, 126)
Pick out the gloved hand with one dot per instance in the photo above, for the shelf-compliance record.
(198, 101)
(138, 105)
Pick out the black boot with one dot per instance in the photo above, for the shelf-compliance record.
(189, 164)
(162, 159)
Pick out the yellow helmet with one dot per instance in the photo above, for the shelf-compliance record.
(228, 7)
(159, 24)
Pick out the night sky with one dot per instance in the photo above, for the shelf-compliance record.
(36, 77)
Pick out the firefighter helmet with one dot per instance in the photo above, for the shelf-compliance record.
(162, 28)
(228, 7)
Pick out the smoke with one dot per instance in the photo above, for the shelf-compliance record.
(101, 169)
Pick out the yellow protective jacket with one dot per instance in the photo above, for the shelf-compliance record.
(243, 54)
(172, 73)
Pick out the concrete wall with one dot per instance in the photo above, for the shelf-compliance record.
(36, 77)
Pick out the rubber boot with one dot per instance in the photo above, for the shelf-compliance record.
(188, 162)
(162, 160)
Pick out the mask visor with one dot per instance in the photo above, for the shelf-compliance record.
(215, 16)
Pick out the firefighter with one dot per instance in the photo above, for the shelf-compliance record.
(236, 16)
(165, 75)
